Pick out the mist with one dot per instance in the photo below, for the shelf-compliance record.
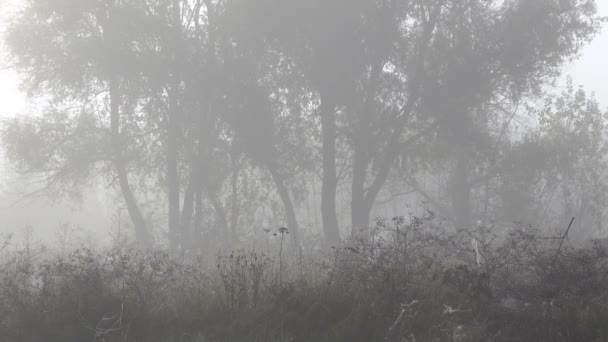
(299, 129)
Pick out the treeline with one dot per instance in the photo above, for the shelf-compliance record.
(207, 114)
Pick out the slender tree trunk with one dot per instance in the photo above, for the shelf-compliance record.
(364, 199)
(314, 202)
(197, 223)
(290, 214)
(330, 179)
(198, 213)
(188, 212)
(139, 223)
(173, 183)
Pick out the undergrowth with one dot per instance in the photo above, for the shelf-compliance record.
(403, 280)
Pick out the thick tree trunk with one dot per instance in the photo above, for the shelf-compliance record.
(139, 223)
(360, 205)
(460, 192)
(360, 215)
(290, 214)
(330, 179)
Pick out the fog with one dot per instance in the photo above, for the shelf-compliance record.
(202, 125)
(303, 170)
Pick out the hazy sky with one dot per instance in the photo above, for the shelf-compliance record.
(11, 100)
(590, 70)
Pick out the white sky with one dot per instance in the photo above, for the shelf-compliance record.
(591, 69)
(12, 100)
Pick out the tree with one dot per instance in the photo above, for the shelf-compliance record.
(573, 131)
(81, 56)
(414, 69)
(486, 62)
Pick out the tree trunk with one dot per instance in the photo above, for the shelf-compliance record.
(360, 208)
(188, 212)
(360, 215)
(290, 214)
(198, 214)
(222, 219)
(330, 179)
(363, 199)
(197, 224)
(173, 183)
(460, 192)
(142, 234)
(234, 202)
(192, 217)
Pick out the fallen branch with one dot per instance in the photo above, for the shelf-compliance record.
(562, 242)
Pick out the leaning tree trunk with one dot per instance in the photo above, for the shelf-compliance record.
(290, 214)
(363, 199)
(142, 234)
